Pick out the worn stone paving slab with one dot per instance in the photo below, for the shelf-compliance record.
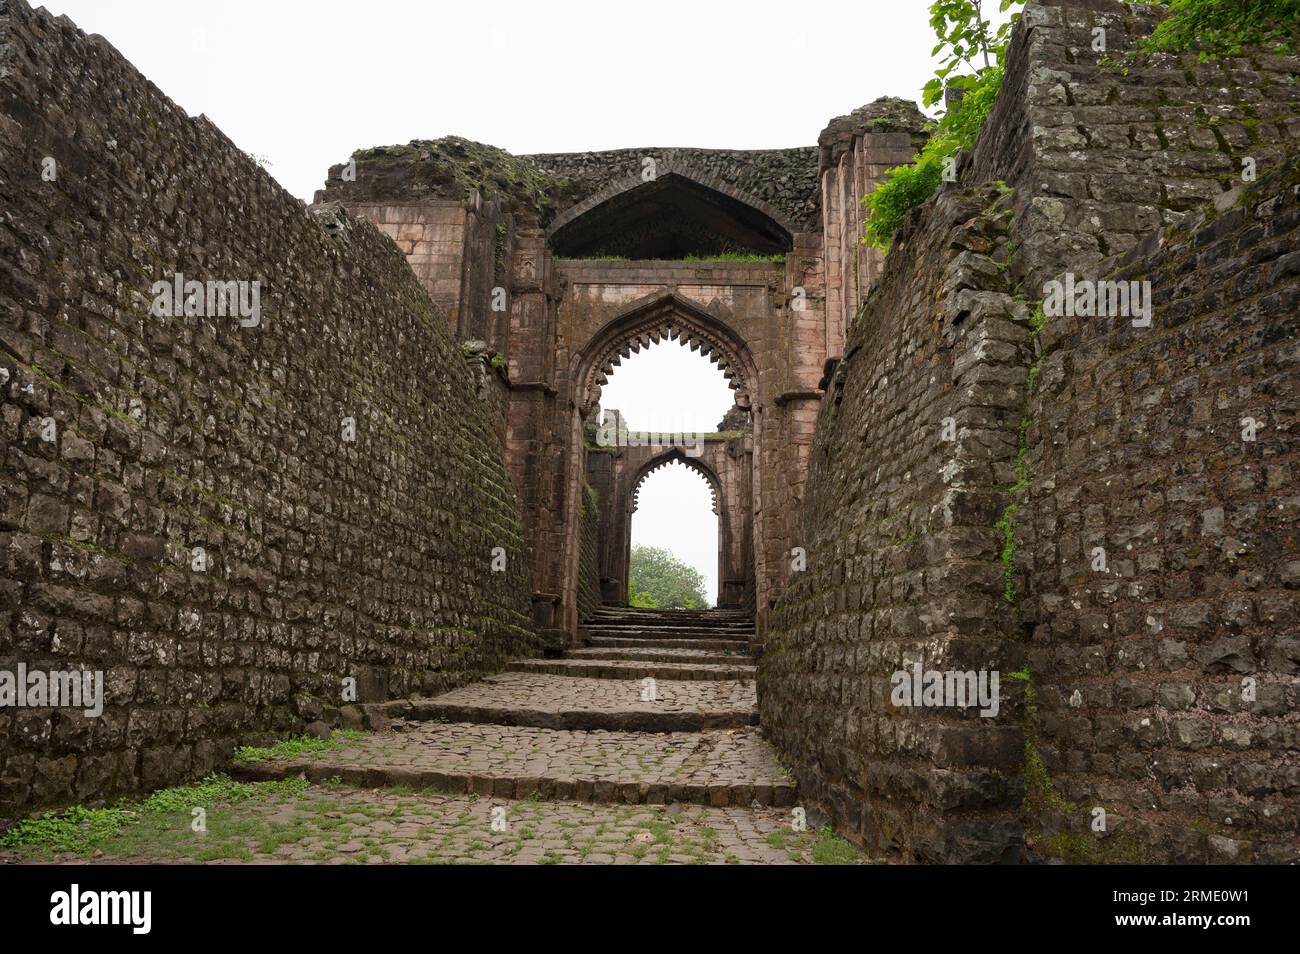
(634, 669)
(332, 824)
(566, 702)
(726, 767)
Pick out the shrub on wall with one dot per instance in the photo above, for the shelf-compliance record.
(1227, 27)
(967, 40)
(910, 185)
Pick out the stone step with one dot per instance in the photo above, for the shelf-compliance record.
(680, 632)
(694, 623)
(574, 702)
(655, 654)
(674, 615)
(660, 642)
(651, 621)
(720, 768)
(635, 669)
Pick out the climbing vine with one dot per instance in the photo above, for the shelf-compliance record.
(966, 41)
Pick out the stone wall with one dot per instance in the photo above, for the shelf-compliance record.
(978, 552)
(589, 556)
(1114, 145)
(179, 506)
(1161, 557)
(902, 560)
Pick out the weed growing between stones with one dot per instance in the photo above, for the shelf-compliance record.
(831, 849)
(296, 746)
(82, 831)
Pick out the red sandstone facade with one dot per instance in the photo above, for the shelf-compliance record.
(557, 324)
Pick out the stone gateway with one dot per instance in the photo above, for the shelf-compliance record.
(1007, 555)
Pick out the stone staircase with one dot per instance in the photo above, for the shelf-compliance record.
(674, 645)
(657, 707)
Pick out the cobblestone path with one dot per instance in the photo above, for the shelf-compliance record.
(641, 747)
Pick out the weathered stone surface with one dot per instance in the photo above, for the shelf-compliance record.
(913, 471)
(1131, 441)
(323, 559)
(518, 761)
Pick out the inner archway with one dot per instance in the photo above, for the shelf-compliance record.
(674, 509)
(666, 387)
(617, 450)
(660, 408)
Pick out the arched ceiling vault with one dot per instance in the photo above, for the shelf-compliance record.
(672, 216)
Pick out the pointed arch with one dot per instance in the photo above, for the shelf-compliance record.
(663, 460)
(666, 316)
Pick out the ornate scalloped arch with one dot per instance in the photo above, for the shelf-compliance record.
(663, 460)
(665, 317)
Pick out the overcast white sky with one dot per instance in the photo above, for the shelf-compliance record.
(303, 83)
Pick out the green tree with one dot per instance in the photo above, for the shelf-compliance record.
(657, 578)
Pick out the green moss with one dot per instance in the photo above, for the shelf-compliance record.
(499, 257)
(74, 544)
(63, 389)
(295, 746)
(81, 830)
(590, 499)
(831, 849)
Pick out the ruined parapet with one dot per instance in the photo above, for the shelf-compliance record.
(535, 188)
(736, 419)
(785, 179)
(888, 114)
(854, 154)
(450, 168)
